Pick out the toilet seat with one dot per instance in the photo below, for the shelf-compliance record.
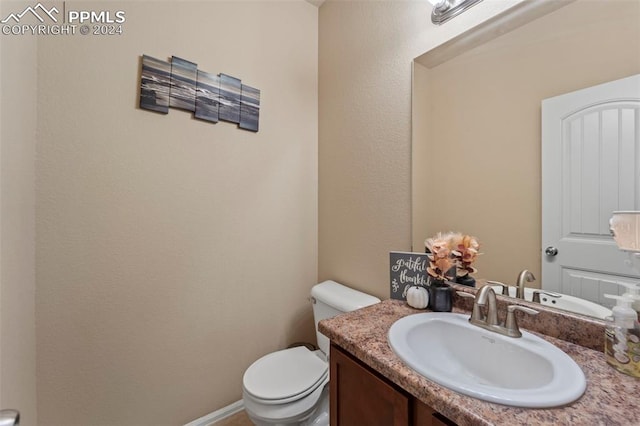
(295, 412)
(285, 376)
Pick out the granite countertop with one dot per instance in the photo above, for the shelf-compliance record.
(610, 398)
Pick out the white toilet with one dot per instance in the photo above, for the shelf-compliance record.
(290, 387)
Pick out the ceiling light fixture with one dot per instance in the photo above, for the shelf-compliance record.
(443, 10)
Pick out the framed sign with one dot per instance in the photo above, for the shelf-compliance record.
(406, 269)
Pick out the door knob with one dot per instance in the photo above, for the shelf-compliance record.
(551, 251)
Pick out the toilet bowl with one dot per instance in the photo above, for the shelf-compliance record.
(291, 386)
(286, 387)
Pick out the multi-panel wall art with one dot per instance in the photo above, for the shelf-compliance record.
(180, 84)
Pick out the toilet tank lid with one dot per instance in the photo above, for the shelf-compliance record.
(341, 297)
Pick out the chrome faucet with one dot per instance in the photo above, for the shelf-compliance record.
(523, 276)
(486, 297)
(505, 288)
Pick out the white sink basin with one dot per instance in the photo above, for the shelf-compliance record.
(564, 302)
(522, 372)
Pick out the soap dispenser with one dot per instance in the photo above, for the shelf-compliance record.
(621, 343)
(633, 293)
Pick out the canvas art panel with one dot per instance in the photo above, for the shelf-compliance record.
(249, 108)
(183, 84)
(207, 96)
(155, 81)
(230, 91)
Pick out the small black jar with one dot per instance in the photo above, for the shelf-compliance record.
(440, 296)
(467, 280)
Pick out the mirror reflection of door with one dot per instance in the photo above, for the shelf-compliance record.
(590, 168)
(476, 156)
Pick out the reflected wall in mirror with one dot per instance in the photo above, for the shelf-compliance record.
(477, 126)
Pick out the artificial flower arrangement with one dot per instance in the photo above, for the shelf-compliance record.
(449, 250)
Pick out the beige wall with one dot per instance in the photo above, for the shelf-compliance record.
(171, 252)
(366, 51)
(480, 118)
(17, 223)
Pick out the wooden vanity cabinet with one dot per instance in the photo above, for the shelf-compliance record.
(360, 396)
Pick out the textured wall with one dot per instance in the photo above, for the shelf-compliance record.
(171, 252)
(366, 53)
(17, 222)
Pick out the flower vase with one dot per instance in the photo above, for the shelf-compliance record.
(467, 280)
(440, 296)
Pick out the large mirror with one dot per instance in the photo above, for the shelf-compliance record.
(476, 153)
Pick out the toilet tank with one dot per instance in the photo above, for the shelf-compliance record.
(331, 299)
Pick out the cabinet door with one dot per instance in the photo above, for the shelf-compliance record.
(423, 415)
(359, 397)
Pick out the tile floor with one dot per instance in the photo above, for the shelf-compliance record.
(238, 419)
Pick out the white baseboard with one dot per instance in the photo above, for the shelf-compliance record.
(218, 415)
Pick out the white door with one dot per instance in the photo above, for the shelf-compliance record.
(590, 167)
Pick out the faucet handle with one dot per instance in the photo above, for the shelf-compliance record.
(467, 295)
(505, 288)
(476, 314)
(511, 324)
(537, 293)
